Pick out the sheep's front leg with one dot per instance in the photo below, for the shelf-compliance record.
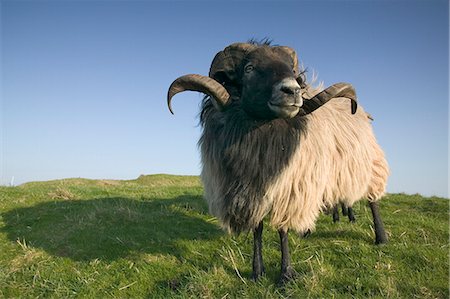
(258, 265)
(380, 234)
(287, 272)
(335, 214)
(351, 215)
(344, 209)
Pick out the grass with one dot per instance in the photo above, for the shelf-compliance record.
(153, 238)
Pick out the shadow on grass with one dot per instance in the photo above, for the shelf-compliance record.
(111, 228)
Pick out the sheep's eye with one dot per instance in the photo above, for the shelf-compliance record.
(248, 68)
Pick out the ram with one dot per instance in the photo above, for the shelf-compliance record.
(268, 150)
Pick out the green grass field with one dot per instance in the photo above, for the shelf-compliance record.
(153, 238)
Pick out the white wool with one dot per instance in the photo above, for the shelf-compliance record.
(338, 160)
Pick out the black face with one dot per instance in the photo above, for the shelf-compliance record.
(270, 87)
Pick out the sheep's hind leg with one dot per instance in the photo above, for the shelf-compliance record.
(287, 272)
(258, 265)
(380, 234)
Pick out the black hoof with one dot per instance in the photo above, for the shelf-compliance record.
(287, 276)
(381, 241)
(257, 274)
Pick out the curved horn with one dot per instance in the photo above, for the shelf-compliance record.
(345, 90)
(219, 95)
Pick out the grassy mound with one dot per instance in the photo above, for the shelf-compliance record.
(153, 237)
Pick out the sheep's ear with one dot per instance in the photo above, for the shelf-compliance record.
(354, 105)
(291, 52)
(225, 64)
(345, 90)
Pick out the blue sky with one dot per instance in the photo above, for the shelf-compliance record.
(84, 83)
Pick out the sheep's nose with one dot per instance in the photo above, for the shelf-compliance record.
(290, 89)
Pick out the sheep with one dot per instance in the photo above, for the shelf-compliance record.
(268, 150)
